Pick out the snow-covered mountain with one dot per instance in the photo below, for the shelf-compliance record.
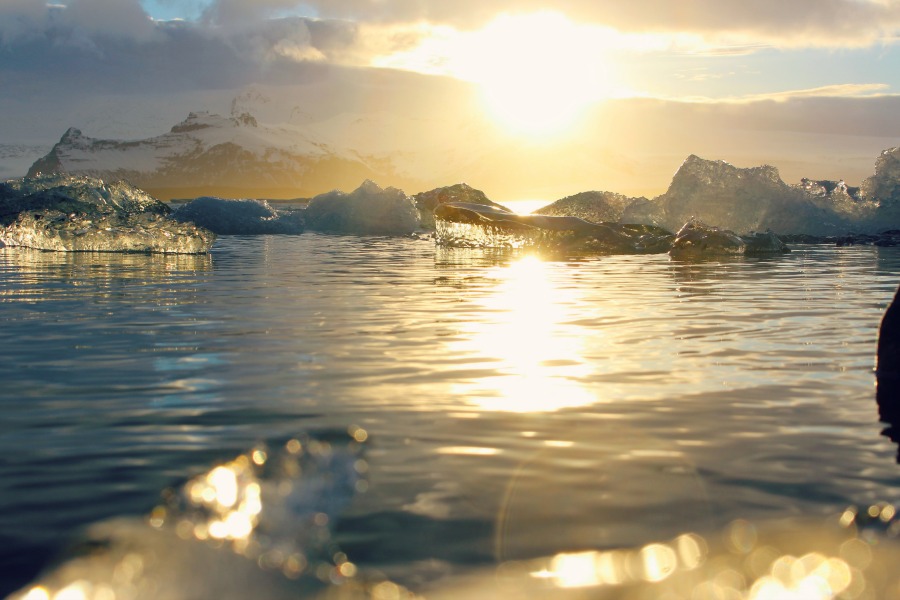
(213, 154)
(276, 146)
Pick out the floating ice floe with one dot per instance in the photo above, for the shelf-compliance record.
(239, 217)
(696, 240)
(472, 225)
(72, 213)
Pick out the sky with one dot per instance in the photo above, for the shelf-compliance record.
(624, 90)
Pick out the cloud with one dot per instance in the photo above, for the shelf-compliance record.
(795, 23)
(113, 45)
(842, 90)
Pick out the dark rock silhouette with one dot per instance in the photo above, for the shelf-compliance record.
(888, 365)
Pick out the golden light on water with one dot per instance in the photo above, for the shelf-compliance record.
(652, 563)
(809, 577)
(232, 497)
(812, 576)
(537, 363)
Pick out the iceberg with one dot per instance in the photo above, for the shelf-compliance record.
(883, 189)
(369, 209)
(745, 199)
(72, 213)
(756, 199)
(239, 217)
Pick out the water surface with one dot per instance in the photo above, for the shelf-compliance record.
(515, 406)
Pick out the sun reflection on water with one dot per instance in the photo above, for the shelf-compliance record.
(537, 361)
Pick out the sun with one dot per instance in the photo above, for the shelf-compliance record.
(537, 72)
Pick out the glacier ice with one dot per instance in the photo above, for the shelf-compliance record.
(77, 213)
(369, 209)
(224, 216)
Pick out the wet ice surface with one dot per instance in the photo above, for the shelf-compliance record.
(516, 409)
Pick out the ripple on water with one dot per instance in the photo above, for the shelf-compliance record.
(579, 402)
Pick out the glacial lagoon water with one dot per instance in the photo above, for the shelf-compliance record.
(514, 406)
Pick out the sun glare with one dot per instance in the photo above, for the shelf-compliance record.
(537, 72)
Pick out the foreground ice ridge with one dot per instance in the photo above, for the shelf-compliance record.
(471, 225)
(259, 526)
(72, 213)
